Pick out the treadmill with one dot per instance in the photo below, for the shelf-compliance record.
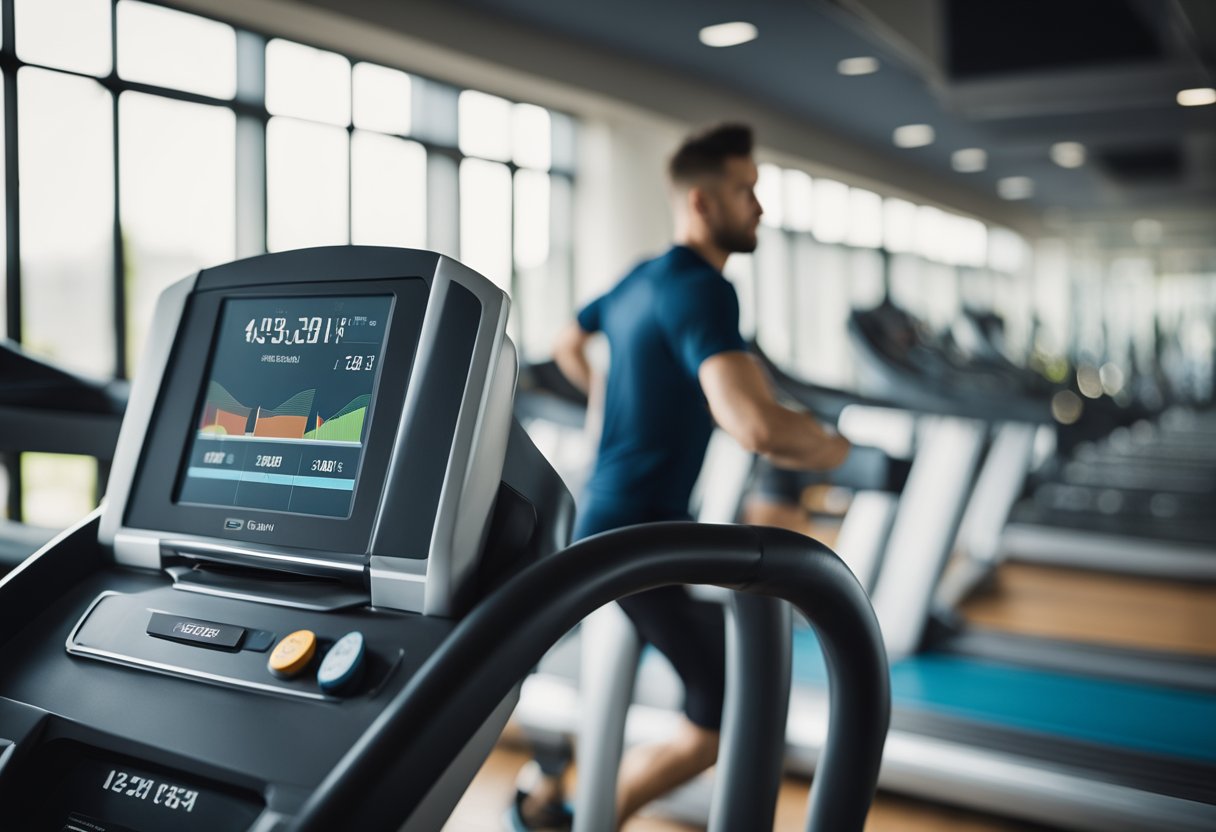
(1063, 524)
(1066, 734)
(44, 408)
(327, 559)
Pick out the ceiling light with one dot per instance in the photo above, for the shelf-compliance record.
(969, 160)
(1068, 154)
(913, 135)
(1197, 97)
(857, 66)
(1015, 187)
(728, 34)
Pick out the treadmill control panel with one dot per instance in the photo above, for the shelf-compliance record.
(302, 654)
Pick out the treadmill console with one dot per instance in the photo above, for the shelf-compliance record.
(335, 428)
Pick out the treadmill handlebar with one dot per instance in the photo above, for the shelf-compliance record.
(505, 636)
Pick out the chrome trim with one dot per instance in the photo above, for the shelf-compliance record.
(924, 529)
(189, 673)
(186, 546)
(461, 530)
(472, 474)
(236, 595)
(67, 644)
(398, 583)
(1109, 553)
(165, 322)
(999, 782)
(997, 488)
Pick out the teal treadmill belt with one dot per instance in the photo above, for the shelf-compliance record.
(1130, 716)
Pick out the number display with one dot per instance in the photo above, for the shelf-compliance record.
(138, 787)
(303, 330)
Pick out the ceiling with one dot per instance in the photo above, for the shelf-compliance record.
(1010, 77)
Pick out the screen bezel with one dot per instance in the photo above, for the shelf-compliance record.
(172, 427)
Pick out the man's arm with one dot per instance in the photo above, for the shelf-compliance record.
(742, 403)
(570, 354)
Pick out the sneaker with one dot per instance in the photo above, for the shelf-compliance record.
(556, 817)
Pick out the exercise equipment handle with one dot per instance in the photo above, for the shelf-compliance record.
(502, 639)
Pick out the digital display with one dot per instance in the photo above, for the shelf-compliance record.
(285, 412)
(141, 787)
(74, 788)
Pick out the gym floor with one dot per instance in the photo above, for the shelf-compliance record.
(1063, 603)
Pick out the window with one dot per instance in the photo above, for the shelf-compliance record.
(768, 192)
(387, 190)
(827, 249)
(307, 83)
(307, 169)
(531, 137)
(485, 219)
(485, 126)
(383, 99)
(831, 211)
(64, 34)
(66, 165)
(799, 202)
(173, 49)
(177, 166)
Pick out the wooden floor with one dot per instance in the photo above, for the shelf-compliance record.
(1036, 600)
(483, 805)
(1107, 609)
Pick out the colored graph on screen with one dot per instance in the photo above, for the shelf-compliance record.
(294, 418)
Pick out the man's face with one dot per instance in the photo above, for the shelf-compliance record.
(732, 210)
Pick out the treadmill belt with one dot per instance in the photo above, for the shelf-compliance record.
(1169, 776)
(1135, 717)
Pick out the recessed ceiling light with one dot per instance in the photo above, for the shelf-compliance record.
(1068, 154)
(969, 160)
(1197, 97)
(913, 135)
(1015, 187)
(728, 34)
(857, 66)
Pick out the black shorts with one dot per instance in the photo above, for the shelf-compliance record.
(691, 633)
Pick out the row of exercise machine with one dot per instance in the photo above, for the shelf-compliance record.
(1070, 734)
(328, 556)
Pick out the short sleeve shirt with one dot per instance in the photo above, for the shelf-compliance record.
(662, 321)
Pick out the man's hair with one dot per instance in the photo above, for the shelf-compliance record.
(705, 153)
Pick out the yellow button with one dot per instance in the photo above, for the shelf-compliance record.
(293, 653)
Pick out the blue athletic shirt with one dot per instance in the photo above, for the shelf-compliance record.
(662, 320)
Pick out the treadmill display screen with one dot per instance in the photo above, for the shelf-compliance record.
(286, 409)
